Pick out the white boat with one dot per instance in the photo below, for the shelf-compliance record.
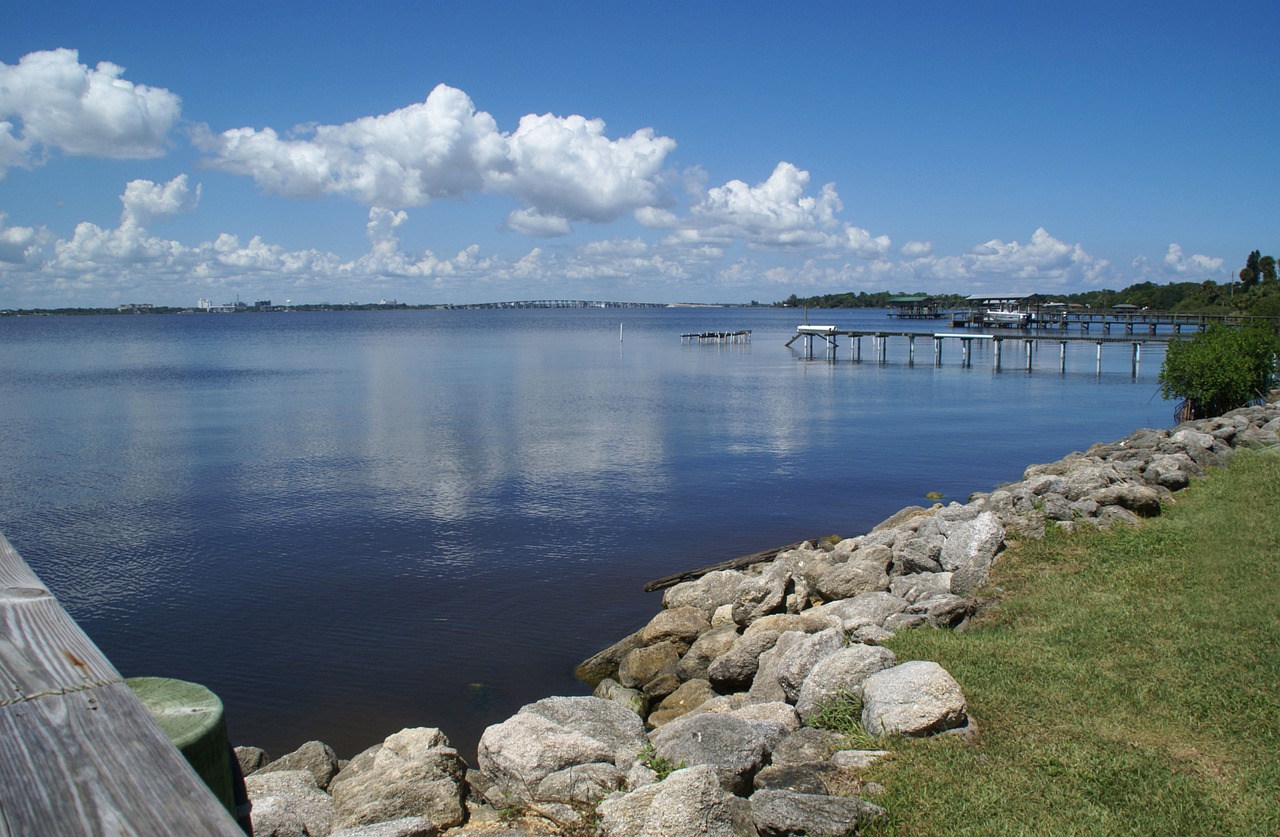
(1005, 317)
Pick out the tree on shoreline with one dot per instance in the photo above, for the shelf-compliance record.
(1219, 369)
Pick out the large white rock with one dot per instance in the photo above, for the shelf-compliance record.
(733, 746)
(315, 756)
(915, 699)
(839, 674)
(415, 773)
(688, 803)
(796, 658)
(779, 813)
(554, 734)
(288, 803)
(862, 610)
(970, 548)
(405, 827)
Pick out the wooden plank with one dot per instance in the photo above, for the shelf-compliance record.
(731, 564)
(78, 752)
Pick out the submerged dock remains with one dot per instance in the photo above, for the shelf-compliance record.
(743, 336)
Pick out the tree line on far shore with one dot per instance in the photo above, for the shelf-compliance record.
(1256, 291)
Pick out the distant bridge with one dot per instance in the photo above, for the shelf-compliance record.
(559, 303)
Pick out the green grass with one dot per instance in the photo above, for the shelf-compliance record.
(1126, 682)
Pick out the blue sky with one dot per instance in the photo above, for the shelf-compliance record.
(668, 151)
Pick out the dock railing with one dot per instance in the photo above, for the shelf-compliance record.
(79, 754)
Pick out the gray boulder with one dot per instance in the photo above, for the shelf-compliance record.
(605, 663)
(630, 699)
(783, 813)
(913, 699)
(681, 625)
(857, 759)
(642, 665)
(1139, 499)
(731, 745)
(287, 803)
(415, 773)
(682, 701)
(712, 644)
(774, 721)
(807, 744)
(807, 777)
(840, 674)
(407, 827)
(759, 595)
(946, 611)
(970, 548)
(316, 757)
(581, 786)
(808, 622)
(688, 803)
(737, 667)
(919, 586)
(919, 554)
(796, 658)
(1056, 507)
(1173, 472)
(866, 570)
(862, 610)
(707, 593)
(251, 759)
(554, 734)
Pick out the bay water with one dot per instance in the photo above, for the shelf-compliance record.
(347, 523)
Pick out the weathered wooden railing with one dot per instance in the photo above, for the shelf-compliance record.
(78, 752)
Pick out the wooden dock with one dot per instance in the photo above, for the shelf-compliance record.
(880, 341)
(79, 754)
(1106, 322)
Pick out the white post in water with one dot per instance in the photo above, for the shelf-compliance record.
(619, 332)
(998, 341)
(1028, 355)
(1062, 357)
(1099, 357)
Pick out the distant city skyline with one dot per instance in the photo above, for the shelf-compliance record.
(711, 152)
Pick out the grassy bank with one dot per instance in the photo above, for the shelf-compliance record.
(1126, 682)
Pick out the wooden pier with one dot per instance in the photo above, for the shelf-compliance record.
(79, 753)
(880, 340)
(717, 337)
(1048, 318)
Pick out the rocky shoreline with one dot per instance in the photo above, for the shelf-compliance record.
(710, 719)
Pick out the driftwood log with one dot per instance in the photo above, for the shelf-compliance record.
(731, 564)
(79, 754)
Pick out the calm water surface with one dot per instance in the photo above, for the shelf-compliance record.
(349, 523)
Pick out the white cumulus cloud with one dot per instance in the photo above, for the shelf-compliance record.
(1180, 265)
(568, 167)
(144, 201)
(22, 246)
(442, 147)
(774, 214)
(1042, 262)
(49, 101)
(561, 168)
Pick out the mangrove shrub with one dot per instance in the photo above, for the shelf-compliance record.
(1219, 369)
